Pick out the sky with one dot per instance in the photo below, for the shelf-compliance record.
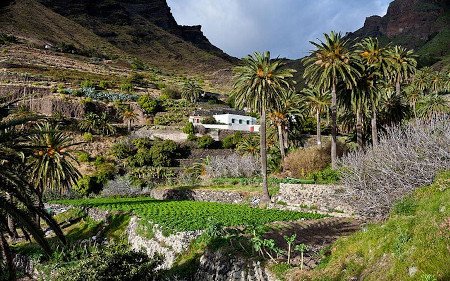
(283, 27)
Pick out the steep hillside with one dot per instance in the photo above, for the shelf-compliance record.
(119, 30)
(145, 29)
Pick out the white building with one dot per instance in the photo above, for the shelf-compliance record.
(228, 121)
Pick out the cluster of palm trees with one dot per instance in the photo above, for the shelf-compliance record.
(34, 156)
(360, 83)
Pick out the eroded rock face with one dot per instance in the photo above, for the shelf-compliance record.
(217, 266)
(169, 246)
(413, 19)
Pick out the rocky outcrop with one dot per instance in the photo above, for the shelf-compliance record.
(168, 246)
(217, 266)
(415, 20)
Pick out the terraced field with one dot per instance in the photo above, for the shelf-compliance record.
(191, 215)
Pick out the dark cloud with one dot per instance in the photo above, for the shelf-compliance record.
(284, 27)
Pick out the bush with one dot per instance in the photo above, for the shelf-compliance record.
(305, 161)
(232, 166)
(171, 93)
(407, 157)
(142, 143)
(326, 176)
(122, 150)
(126, 87)
(164, 153)
(87, 185)
(205, 142)
(209, 120)
(112, 263)
(83, 157)
(87, 84)
(231, 141)
(88, 137)
(103, 85)
(189, 129)
(148, 104)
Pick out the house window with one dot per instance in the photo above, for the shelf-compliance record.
(233, 120)
(240, 121)
(248, 122)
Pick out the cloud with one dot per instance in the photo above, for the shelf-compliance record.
(285, 27)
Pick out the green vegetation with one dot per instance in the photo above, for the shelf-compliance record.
(190, 215)
(416, 235)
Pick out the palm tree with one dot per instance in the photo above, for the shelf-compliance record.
(129, 116)
(14, 185)
(403, 65)
(191, 91)
(432, 105)
(97, 124)
(249, 145)
(376, 66)
(330, 63)
(51, 166)
(291, 108)
(319, 101)
(259, 85)
(413, 94)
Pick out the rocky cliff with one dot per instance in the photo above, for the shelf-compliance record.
(423, 25)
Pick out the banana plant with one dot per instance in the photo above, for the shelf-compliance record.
(290, 241)
(302, 248)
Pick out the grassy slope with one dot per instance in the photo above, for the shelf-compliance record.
(416, 235)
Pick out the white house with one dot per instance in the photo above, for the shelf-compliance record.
(228, 121)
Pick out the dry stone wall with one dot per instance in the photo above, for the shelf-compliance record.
(327, 198)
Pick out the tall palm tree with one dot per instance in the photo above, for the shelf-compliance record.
(413, 94)
(330, 63)
(403, 65)
(191, 91)
(376, 67)
(259, 85)
(51, 166)
(318, 101)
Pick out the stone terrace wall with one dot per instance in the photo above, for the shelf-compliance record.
(326, 198)
(198, 195)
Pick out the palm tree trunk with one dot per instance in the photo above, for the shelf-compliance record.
(129, 125)
(319, 132)
(397, 86)
(359, 125)
(333, 124)
(373, 123)
(414, 109)
(266, 197)
(6, 252)
(10, 220)
(285, 138)
(281, 141)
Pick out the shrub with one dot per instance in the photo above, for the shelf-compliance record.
(126, 87)
(142, 143)
(148, 104)
(103, 85)
(122, 149)
(407, 157)
(105, 172)
(232, 166)
(164, 153)
(231, 141)
(189, 129)
(209, 120)
(304, 161)
(83, 157)
(87, 84)
(88, 137)
(171, 93)
(326, 176)
(87, 185)
(205, 142)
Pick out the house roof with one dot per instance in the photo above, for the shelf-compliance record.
(218, 111)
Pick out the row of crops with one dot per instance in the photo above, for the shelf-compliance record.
(191, 215)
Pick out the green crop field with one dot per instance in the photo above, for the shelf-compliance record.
(191, 215)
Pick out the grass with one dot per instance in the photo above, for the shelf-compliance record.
(417, 234)
(191, 215)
